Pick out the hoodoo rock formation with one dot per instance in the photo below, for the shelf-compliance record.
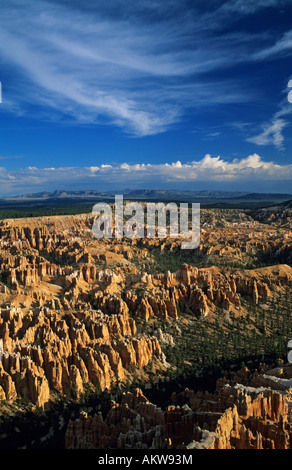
(234, 417)
(80, 316)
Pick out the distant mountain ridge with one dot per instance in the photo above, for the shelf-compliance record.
(206, 198)
(160, 193)
(60, 193)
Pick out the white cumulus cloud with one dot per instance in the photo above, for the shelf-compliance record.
(209, 168)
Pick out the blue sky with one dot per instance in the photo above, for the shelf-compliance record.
(145, 94)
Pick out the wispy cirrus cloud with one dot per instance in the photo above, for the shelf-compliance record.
(271, 134)
(272, 131)
(141, 67)
(281, 46)
(248, 7)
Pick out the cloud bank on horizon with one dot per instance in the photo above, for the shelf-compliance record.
(106, 176)
(146, 68)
